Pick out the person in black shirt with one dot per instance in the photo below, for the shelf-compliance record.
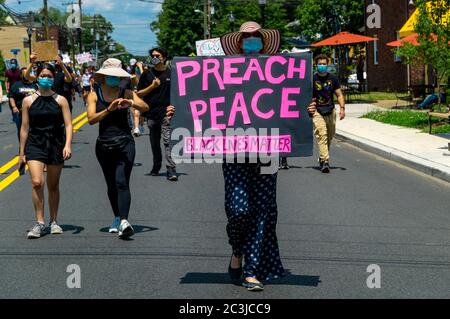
(62, 81)
(325, 86)
(154, 88)
(18, 92)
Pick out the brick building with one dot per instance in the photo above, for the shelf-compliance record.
(385, 70)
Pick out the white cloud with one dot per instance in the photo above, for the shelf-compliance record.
(100, 5)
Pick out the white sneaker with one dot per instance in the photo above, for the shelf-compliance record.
(55, 229)
(115, 226)
(125, 229)
(136, 132)
(36, 232)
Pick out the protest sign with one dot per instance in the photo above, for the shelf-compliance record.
(46, 50)
(210, 47)
(84, 58)
(265, 93)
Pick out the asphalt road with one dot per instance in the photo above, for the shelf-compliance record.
(331, 228)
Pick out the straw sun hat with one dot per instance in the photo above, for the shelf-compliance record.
(111, 67)
(271, 39)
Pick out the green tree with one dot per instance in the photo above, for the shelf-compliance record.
(3, 14)
(178, 26)
(319, 19)
(434, 37)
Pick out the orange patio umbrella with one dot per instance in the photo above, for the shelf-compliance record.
(344, 38)
(412, 38)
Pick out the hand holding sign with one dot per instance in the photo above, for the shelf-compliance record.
(33, 57)
(170, 111)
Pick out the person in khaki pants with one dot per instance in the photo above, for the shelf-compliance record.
(325, 86)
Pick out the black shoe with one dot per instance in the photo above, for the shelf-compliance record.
(154, 173)
(253, 286)
(235, 273)
(325, 167)
(172, 175)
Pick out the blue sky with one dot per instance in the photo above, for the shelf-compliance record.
(131, 18)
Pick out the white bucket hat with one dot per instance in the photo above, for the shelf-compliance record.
(111, 67)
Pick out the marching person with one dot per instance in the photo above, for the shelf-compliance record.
(45, 140)
(86, 83)
(108, 104)
(154, 88)
(18, 92)
(250, 196)
(62, 83)
(325, 86)
(12, 75)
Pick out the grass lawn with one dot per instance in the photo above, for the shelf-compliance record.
(418, 120)
(372, 97)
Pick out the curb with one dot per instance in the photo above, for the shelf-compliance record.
(427, 167)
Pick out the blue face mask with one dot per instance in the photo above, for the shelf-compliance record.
(322, 68)
(252, 45)
(13, 66)
(45, 83)
(112, 81)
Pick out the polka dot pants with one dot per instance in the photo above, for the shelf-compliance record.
(251, 208)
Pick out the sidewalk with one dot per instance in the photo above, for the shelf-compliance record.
(421, 151)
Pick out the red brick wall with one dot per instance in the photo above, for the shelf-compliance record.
(388, 75)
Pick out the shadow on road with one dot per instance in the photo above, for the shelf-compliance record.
(223, 278)
(137, 229)
(332, 168)
(76, 229)
(71, 166)
(164, 174)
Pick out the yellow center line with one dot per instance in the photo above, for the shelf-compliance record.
(10, 179)
(79, 117)
(79, 125)
(82, 119)
(8, 165)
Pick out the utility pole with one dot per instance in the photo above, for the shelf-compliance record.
(208, 13)
(46, 20)
(95, 39)
(79, 30)
(262, 6)
(205, 19)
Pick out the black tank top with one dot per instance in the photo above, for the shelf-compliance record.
(46, 118)
(115, 123)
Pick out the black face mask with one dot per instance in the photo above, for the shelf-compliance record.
(154, 62)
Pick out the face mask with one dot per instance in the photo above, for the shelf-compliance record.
(112, 81)
(155, 61)
(252, 45)
(13, 66)
(45, 83)
(322, 68)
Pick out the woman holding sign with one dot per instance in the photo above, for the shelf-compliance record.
(250, 196)
(109, 105)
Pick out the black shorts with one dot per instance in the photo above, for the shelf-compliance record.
(86, 89)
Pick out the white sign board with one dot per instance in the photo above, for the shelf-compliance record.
(84, 58)
(210, 47)
(66, 58)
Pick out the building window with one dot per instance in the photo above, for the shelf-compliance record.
(397, 58)
(375, 51)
